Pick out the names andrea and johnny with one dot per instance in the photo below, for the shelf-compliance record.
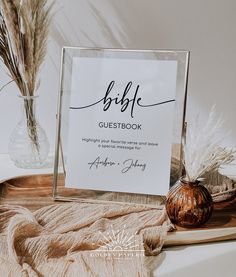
(125, 102)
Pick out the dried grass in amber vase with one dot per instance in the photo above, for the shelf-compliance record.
(189, 204)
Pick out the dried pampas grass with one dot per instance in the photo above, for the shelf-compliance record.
(201, 149)
(24, 27)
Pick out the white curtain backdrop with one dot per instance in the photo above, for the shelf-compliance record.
(206, 28)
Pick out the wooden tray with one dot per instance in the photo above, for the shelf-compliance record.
(34, 192)
(222, 226)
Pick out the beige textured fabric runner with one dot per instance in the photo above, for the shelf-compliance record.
(80, 239)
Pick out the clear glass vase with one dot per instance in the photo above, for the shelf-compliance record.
(28, 146)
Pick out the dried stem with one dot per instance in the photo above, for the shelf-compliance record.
(31, 122)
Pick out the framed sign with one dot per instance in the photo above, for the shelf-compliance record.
(120, 122)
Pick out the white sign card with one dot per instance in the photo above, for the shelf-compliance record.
(121, 119)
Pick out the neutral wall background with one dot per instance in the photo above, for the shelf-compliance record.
(206, 28)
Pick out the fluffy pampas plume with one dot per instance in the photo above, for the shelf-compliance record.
(201, 149)
(24, 26)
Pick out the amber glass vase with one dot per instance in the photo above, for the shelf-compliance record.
(189, 204)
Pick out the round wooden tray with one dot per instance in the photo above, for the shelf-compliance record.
(34, 192)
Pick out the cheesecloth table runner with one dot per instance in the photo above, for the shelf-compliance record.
(80, 239)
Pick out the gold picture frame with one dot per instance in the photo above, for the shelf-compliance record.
(60, 192)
